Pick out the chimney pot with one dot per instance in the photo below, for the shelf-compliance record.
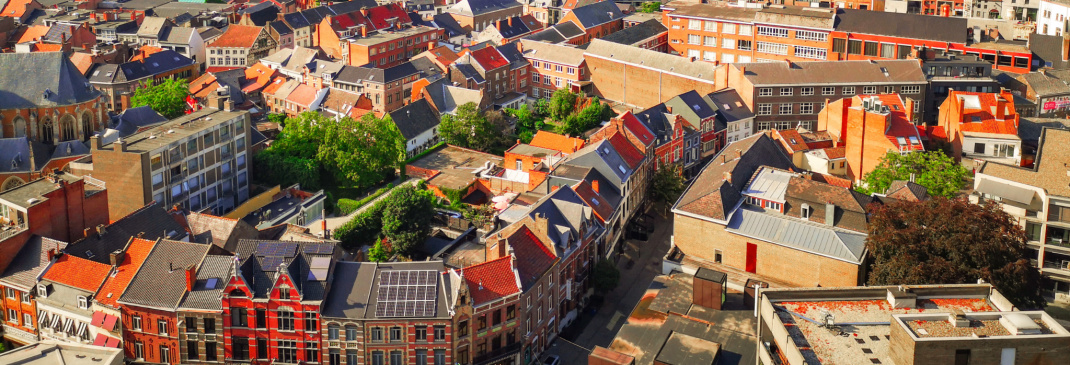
(594, 186)
(191, 277)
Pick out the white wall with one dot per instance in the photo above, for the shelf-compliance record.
(1055, 20)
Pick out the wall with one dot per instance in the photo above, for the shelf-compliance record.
(125, 172)
(642, 86)
(983, 351)
(149, 336)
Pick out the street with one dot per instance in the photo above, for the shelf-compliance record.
(639, 264)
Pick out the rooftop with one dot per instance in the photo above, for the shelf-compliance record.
(833, 72)
(1049, 170)
(387, 36)
(369, 290)
(456, 166)
(51, 353)
(178, 129)
(33, 193)
(699, 70)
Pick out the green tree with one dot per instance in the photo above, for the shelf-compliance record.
(528, 121)
(606, 276)
(562, 104)
(167, 98)
(363, 230)
(277, 118)
(950, 241)
(378, 253)
(667, 184)
(407, 215)
(472, 128)
(940, 174)
(650, 7)
(364, 151)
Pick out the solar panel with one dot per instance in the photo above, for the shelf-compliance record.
(407, 293)
(320, 262)
(318, 248)
(271, 263)
(276, 249)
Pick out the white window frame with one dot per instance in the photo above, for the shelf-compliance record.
(764, 109)
(772, 31)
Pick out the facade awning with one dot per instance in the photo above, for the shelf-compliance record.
(1006, 191)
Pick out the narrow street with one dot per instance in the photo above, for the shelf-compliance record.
(639, 264)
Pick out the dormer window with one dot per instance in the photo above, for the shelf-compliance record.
(805, 213)
(83, 302)
(42, 291)
(772, 205)
(284, 293)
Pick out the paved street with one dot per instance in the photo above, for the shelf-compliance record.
(639, 264)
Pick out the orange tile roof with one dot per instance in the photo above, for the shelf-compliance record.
(32, 32)
(83, 61)
(557, 142)
(274, 85)
(836, 152)
(302, 95)
(215, 69)
(898, 124)
(78, 272)
(631, 155)
(45, 47)
(984, 120)
(202, 85)
(259, 75)
(16, 8)
(144, 52)
(444, 55)
(238, 36)
(792, 140)
(491, 280)
(135, 255)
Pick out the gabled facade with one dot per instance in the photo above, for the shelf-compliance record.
(239, 46)
(485, 298)
(18, 285)
(869, 127)
(597, 19)
(981, 126)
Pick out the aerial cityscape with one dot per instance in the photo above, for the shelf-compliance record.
(535, 182)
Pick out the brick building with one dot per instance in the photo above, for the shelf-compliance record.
(650, 34)
(51, 107)
(597, 19)
(107, 314)
(870, 127)
(119, 82)
(643, 78)
(273, 299)
(509, 30)
(150, 302)
(475, 15)
(64, 297)
(239, 46)
(486, 297)
(18, 285)
(388, 89)
(484, 69)
(196, 161)
(388, 313)
(60, 206)
(981, 126)
(389, 48)
(555, 67)
(786, 95)
(200, 315)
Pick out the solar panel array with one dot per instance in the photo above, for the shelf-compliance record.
(285, 249)
(407, 293)
(318, 248)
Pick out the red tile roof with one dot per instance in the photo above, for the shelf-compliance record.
(792, 141)
(898, 124)
(631, 155)
(836, 152)
(637, 128)
(78, 272)
(257, 77)
(144, 52)
(380, 14)
(32, 32)
(444, 55)
(215, 69)
(489, 58)
(557, 142)
(16, 8)
(135, 255)
(984, 120)
(832, 180)
(46, 47)
(491, 280)
(274, 85)
(303, 95)
(202, 85)
(83, 61)
(533, 258)
(238, 36)
(599, 204)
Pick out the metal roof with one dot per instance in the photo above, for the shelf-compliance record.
(798, 234)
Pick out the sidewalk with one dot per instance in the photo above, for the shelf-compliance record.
(316, 227)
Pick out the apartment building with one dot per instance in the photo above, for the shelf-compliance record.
(64, 297)
(710, 33)
(18, 285)
(555, 67)
(869, 127)
(1052, 16)
(981, 126)
(1039, 200)
(197, 161)
(952, 71)
(388, 89)
(239, 46)
(787, 95)
(385, 49)
(476, 15)
(644, 78)
(597, 19)
(200, 314)
(917, 324)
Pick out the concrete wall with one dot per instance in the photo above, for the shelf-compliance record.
(642, 86)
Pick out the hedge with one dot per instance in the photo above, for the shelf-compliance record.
(346, 206)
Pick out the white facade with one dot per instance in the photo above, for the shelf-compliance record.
(1002, 150)
(1051, 18)
(421, 142)
(739, 129)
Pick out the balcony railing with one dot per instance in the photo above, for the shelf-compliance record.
(497, 355)
(9, 231)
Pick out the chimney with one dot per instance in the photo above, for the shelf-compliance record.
(118, 146)
(830, 214)
(510, 21)
(910, 109)
(101, 230)
(728, 177)
(790, 65)
(51, 254)
(93, 16)
(116, 257)
(87, 231)
(594, 186)
(1001, 109)
(498, 24)
(363, 30)
(133, 16)
(668, 108)
(191, 277)
(542, 225)
(1066, 46)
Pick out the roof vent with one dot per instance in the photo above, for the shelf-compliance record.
(1020, 324)
(957, 318)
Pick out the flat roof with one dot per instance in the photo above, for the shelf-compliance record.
(980, 325)
(32, 193)
(456, 166)
(384, 36)
(529, 150)
(177, 129)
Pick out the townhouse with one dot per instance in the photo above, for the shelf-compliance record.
(273, 299)
(119, 82)
(869, 127)
(19, 286)
(736, 116)
(953, 71)
(787, 95)
(476, 15)
(239, 46)
(509, 30)
(555, 67)
(1039, 200)
(679, 138)
(485, 297)
(596, 20)
(981, 126)
(418, 124)
(107, 314)
(484, 69)
(389, 313)
(814, 152)
(388, 89)
(64, 297)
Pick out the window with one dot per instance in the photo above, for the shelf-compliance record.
(962, 357)
(135, 323)
(694, 24)
(806, 91)
(440, 357)
(809, 35)
(139, 350)
(744, 46)
(395, 358)
(765, 91)
(395, 333)
(709, 41)
(241, 348)
(312, 353)
(239, 317)
(772, 32)
(13, 316)
(286, 320)
(351, 333)
(728, 43)
(287, 351)
(717, 256)
(745, 29)
(496, 318)
(694, 39)
(811, 52)
(165, 354)
(332, 332)
(765, 109)
(377, 358)
(510, 312)
(839, 45)
(785, 109)
(786, 91)
(710, 26)
(772, 205)
(209, 351)
(1003, 150)
(83, 302)
(482, 323)
(310, 321)
(421, 333)
(728, 28)
(806, 108)
(27, 321)
(804, 211)
(854, 47)
(871, 49)
(709, 56)
(440, 333)
(161, 327)
(694, 53)
(261, 318)
(191, 324)
(828, 90)
(42, 291)
(869, 90)
(848, 90)
(773, 48)
(462, 329)
(209, 325)
(910, 89)
(351, 356)
(377, 334)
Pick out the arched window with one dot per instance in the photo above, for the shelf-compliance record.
(11, 183)
(87, 126)
(46, 131)
(237, 293)
(68, 132)
(19, 127)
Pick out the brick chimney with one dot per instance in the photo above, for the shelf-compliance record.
(191, 277)
(116, 258)
(1001, 109)
(510, 21)
(1066, 46)
(909, 107)
(542, 225)
(363, 30)
(51, 254)
(498, 24)
(594, 186)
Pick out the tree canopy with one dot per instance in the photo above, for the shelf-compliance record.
(650, 7)
(403, 218)
(951, 241)
(667, 184)
(472, 128)
(562, 104)
(934, 170)
(167, 98)
(606, 276)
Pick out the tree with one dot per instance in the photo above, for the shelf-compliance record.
(277, 118)
(378, 253)
(950, 241)
(940, 174)
(471, 128)
(562, 104)
(528, 121)
(364, 151)
(407, 215)
(606, 276)
(667, 184)
(650, 7)
(167, 98)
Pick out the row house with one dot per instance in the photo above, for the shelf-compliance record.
(501, 73)
(108, 313)
(597, 19)
(701, 112)
(788, 95)
(273, 299)
(476, 15)
(565, 33)
(150, 302)
(509, 30)
(1038, 199)
(64, 297)
(650, 34)
(385, 49)
(200, 314)
(486, 301)
(729, 218)
(163, 33)
(869, 127)
(239, 46)
(555, 67)
(388, 89)
(119, 82)
(678, 127)
(18, 287)
(389, 313)
(296, 28)
(736, 115)
(980, 126)
(1047, 90)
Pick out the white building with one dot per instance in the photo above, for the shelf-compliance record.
(1051, 17)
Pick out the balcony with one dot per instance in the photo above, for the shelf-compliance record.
(497, 355)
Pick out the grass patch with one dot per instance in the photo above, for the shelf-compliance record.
(346, 206)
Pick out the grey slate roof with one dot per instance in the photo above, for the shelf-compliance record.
(834, 72)
(281, 27)
(15, 155)
(296, 20)
(450, 25)
(152, 222)
(180, 35)
(598, 13)
(1048, 48)
(161, 281)
(602, 156)
(549, 35)
(202, 296)
(415, 118)
(479, 7)
(637, 33)
(354, 293)
(261, 267)
(262, 13)
(798, 234)
(915, 26)
(1048, 82)
(565, 211)
(53, 72)
(730, 106)
(130, 120)
(569, 30)
(694, 108)
(710, 195)
(30, 262)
